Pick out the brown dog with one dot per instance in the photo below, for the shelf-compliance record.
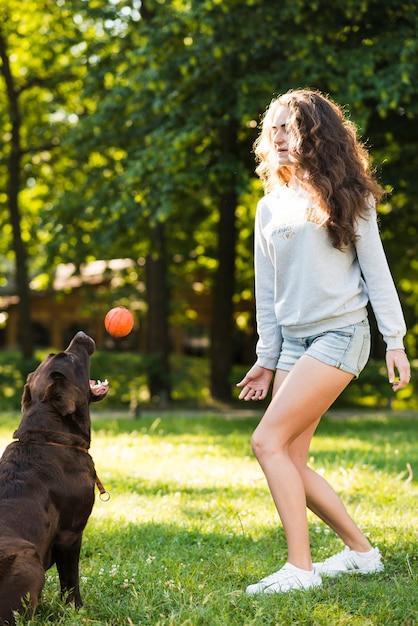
(47, 480)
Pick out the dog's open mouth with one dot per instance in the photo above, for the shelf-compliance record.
(99, 387)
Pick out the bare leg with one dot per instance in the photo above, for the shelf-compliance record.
(326, 504)
(281, 443)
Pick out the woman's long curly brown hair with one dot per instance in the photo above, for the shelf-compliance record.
(328, 158)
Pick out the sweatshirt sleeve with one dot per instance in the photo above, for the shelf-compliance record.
(269, 332)
(380, 286)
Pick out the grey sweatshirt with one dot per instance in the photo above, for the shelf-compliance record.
(305, 286)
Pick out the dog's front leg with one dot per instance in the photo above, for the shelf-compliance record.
(67, 560)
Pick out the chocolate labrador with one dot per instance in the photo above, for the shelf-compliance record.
(47, 480)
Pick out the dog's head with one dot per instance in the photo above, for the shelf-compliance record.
(58, 393)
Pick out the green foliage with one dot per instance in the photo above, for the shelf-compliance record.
(127, 374)
(190, 523)
(147, 112)
(13, 373)
(139, 117)
(46, 76)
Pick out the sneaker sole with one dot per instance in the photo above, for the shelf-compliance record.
(269, 591)
(353, 571)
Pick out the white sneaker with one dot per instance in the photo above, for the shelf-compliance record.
(351, 562)
(286, 579)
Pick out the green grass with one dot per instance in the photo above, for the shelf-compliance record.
(190, 523)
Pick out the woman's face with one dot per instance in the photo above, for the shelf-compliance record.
(279, 135)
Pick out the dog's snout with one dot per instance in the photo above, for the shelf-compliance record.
(81, 338)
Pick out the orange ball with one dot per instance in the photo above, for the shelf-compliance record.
(119, 321)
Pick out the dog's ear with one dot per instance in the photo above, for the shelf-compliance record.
(59, 394)
(26, 397)
(57, 375)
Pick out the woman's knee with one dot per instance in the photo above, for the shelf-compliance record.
(256, 444)
(266, 444)
(263, 444)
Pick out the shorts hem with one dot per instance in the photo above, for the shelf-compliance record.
(333, 363)
(287, 367)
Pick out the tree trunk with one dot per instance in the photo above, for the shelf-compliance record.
(21, 271)
(158, 345)
(222, 325)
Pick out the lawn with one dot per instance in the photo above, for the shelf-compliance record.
(190, 523)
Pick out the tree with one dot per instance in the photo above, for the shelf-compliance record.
(38, 79)
(14, 160)
(152, 110)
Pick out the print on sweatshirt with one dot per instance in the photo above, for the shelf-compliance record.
(311, 214)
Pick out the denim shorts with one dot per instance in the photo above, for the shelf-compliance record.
(347, 348)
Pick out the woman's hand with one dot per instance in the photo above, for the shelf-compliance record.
(255, 383)
(397, 360)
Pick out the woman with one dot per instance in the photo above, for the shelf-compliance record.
(318, 261)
